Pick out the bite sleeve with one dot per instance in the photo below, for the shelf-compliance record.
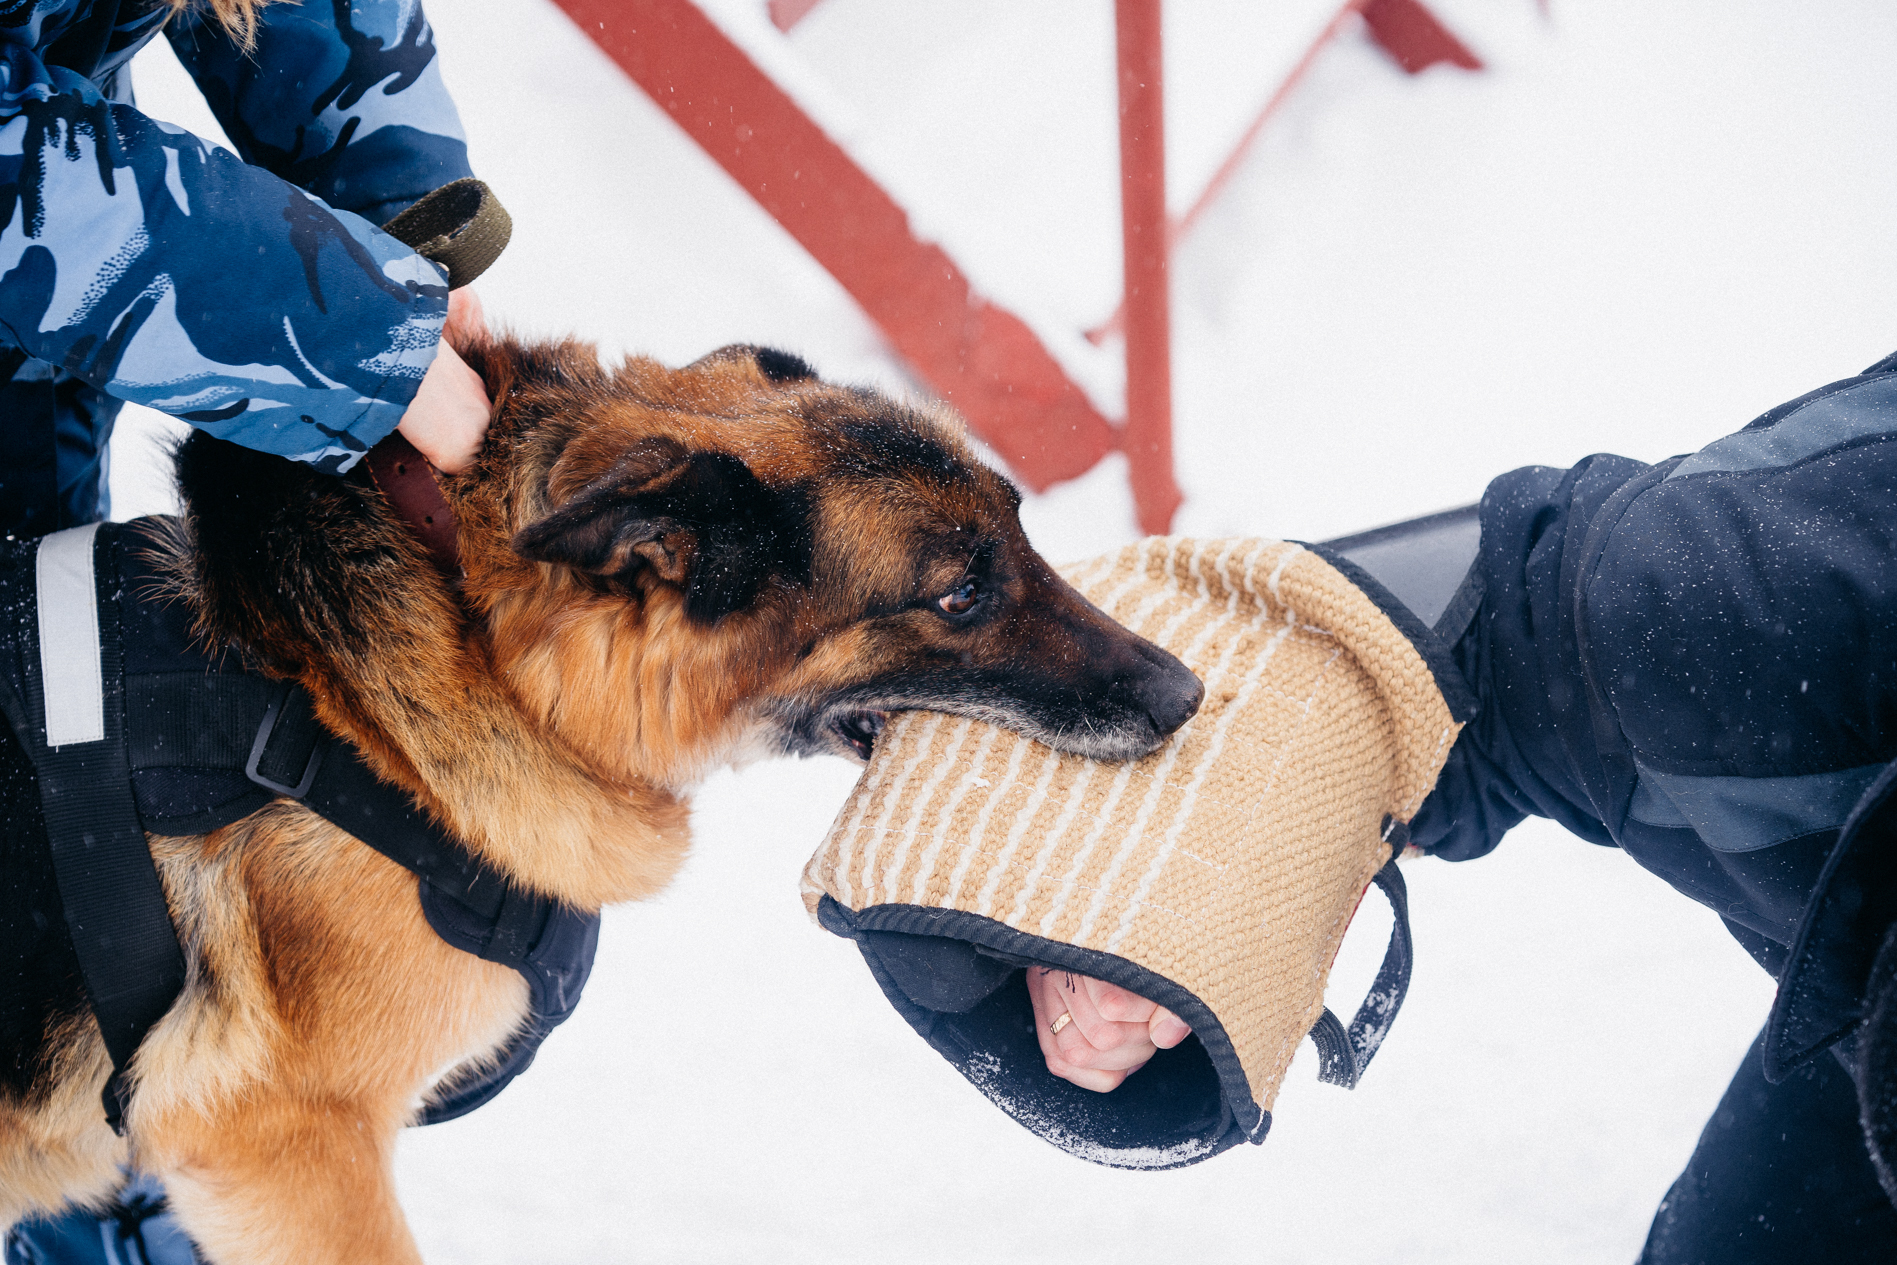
(1216, 876)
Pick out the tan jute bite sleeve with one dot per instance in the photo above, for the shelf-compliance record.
(1229, 862)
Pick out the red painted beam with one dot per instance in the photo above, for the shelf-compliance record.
(980, 357)
(788, 13)
(1145, 235)
(1413, 36)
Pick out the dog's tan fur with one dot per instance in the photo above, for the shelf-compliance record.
(551, 715)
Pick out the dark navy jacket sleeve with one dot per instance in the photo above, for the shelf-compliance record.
(169, 273)
(1695, 661)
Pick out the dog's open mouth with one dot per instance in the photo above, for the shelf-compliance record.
(859, 729)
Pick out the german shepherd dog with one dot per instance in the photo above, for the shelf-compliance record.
(664, 570)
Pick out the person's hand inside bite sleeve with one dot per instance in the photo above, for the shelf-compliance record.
(1096, 1034)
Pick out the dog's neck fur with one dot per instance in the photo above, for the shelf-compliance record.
(640, 691)
(518, 713)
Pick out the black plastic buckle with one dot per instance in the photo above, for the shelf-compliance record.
(117, 1099)
(264, 732)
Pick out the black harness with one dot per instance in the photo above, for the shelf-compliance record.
(131, 727)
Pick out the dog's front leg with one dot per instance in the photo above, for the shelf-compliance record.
(277, 1182)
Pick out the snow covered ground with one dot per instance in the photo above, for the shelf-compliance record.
(1641, 227)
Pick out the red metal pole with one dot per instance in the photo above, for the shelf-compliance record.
(1220, 178)
(981, 357)
(1148, 434)
(1406, 30)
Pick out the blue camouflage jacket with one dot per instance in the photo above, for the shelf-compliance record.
(254, 299)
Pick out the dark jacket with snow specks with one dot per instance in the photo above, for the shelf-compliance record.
(1696, 661)
(252, 298)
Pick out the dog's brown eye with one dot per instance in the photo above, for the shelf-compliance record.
(961, 600)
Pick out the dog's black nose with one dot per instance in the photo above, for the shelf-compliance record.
(1170, 694)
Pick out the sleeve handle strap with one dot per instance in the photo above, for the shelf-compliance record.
(462, 226)
(1343, 1054)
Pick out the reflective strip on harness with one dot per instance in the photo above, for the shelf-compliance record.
(115, 905)
(69, 638)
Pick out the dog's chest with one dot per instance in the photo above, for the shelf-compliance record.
(207, 745)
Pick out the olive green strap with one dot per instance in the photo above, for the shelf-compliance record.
(462, 226)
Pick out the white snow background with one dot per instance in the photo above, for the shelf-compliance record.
(1639, 228)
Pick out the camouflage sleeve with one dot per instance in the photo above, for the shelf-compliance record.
(167, 272)
(343, 98)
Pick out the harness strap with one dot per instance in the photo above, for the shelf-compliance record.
(469, 906)
(190, 721)
(1343, 1055)
(462, 226)
(215, 723)
(269, 730)
(187, 751)
(115, 906)
(346, 793)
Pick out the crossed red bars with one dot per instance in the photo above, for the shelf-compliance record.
(980, 357)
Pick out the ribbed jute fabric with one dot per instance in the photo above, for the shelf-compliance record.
(1230, 860)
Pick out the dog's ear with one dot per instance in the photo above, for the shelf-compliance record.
(776, 367)
(699, 520)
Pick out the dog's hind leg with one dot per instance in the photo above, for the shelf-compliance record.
(278, 1182)
(55, 1147)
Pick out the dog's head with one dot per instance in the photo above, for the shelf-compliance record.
(736, 554)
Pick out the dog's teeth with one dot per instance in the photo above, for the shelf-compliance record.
(859, 729)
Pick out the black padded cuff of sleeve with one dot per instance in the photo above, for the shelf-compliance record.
(462, 226)
(957, 979)
(1435, 650)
